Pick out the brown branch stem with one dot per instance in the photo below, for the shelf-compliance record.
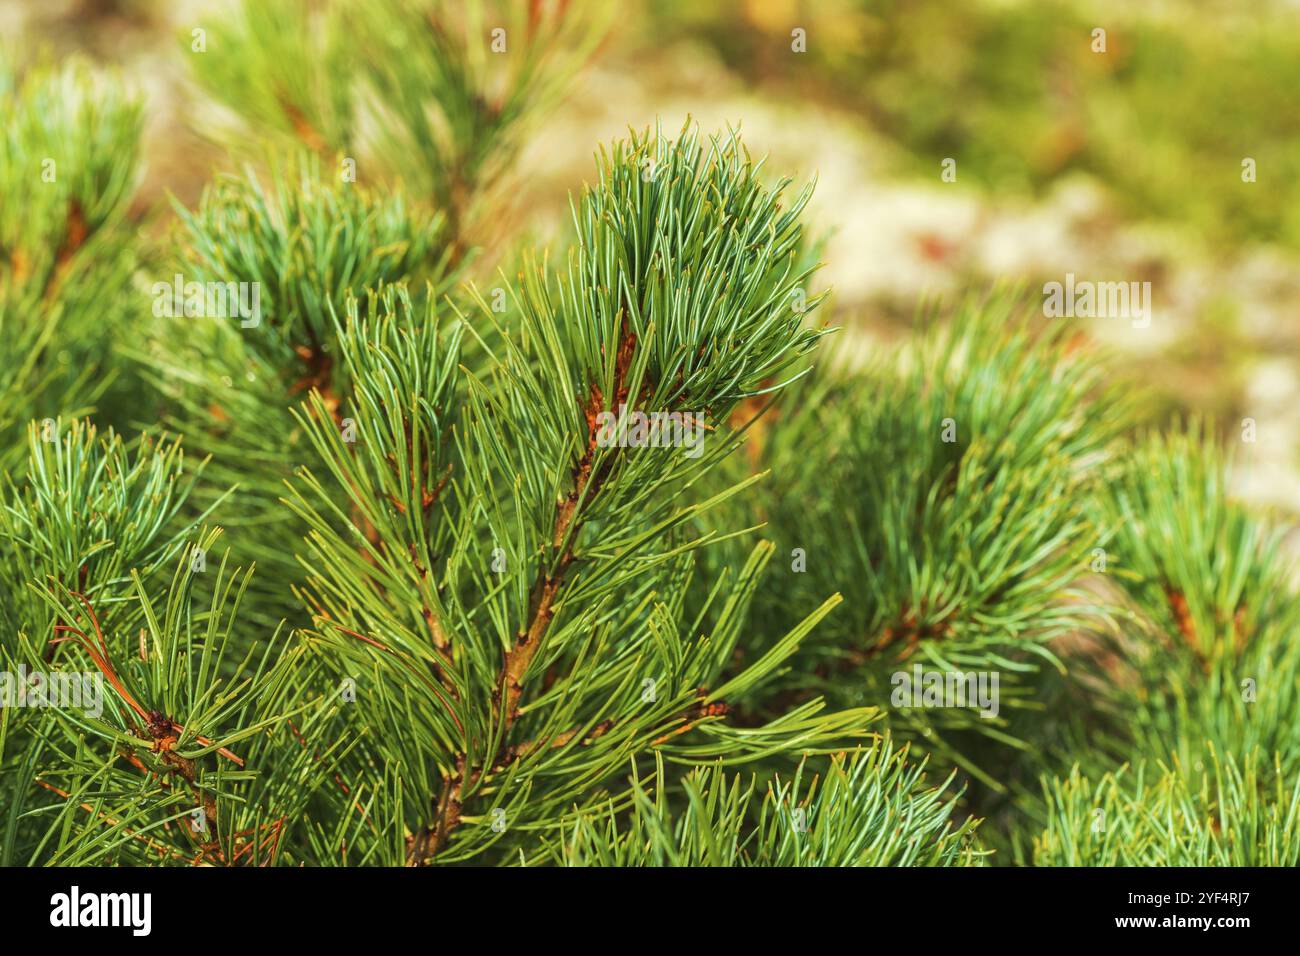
(585, 480)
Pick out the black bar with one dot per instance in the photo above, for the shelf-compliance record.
(332, 906)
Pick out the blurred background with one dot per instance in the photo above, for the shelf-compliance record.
(1117, 164)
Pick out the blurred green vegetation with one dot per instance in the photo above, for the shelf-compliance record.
(1014, 91)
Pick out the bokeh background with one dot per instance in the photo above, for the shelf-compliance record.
(1117, 166)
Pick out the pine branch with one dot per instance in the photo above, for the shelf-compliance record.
(68, 166)
(433, 94)
(869, 809)
(952, 487)
(1202, 658)
(500, 606)
(1220, 814)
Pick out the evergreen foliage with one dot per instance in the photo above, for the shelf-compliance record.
(1218, 814)
(68, 166)
(614, 561)
(844, 819)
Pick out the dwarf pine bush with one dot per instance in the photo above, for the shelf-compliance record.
(404, 567)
